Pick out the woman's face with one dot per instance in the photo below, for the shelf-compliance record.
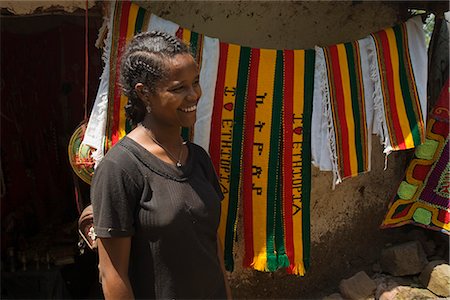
(174, 102)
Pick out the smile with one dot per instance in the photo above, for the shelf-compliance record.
(189, 109)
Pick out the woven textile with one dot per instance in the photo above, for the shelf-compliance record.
(400, 59)
(128, 20)
(423, 197)
(347, 104)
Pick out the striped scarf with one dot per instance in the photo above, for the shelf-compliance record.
(400, 82)
(129, 19)
(259, 138)
(347, 103)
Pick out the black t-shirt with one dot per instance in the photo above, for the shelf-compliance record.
(172, 215)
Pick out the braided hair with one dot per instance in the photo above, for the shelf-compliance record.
(144, 61)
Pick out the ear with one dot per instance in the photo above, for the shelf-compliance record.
(142, 91)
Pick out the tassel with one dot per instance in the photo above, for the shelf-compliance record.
(272, 263)
(260, 263)
(297, 269)
(283, 261)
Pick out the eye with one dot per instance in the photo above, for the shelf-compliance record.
(177, 88)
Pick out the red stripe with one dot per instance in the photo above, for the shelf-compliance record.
(216, 119)
(179, 33)
(341, 110)
(287, 149)
(120, 48)
(390, 82)
(249, 133)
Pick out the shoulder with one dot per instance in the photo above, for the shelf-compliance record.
(199, 151)
(118, 160)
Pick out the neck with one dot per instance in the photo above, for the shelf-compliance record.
(166, 135)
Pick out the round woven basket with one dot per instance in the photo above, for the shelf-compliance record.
(80, 155)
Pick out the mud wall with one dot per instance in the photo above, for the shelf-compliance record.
(344, 222)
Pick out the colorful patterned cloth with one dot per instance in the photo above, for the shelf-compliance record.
(423, 197)
(346, 95)
(400, 61)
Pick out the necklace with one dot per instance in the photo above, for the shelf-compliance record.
(178, 161)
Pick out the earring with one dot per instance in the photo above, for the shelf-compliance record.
(148, 108)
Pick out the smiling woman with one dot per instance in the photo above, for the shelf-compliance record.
(156, 198)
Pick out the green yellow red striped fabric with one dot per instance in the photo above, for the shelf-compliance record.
(346, 91)
(402, 108)
(260, 134)
(129, 19)
(227, 135)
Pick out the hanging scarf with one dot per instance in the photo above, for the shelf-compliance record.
(399, 62)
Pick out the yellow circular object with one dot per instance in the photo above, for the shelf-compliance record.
(80, 155)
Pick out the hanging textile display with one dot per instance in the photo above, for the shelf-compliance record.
(227, 129)
(346, 96)
(399, 70)
(276, 184)
(129, 19)
(423, 197)
(258, 111)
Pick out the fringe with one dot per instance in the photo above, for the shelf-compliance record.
(260, 263)
(283, 261)
(328, 114)
(272, 262)
(297, 269)
(379, 119)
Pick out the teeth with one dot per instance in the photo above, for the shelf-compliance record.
(189, 109)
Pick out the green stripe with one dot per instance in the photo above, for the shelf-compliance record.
(406, 92)
(194, 43)
(139, 20)
(273, 170)
(236, 154)
(353, 74)
(306, 153)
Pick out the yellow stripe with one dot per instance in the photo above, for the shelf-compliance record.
(231, 75)
(346, 88)
(399, 101)
(132, 15)
(263, 114)
(298, 106)
(187, 36)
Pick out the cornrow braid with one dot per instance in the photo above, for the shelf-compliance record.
(144, 61)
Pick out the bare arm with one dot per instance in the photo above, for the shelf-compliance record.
(222, 265)
(114, 256)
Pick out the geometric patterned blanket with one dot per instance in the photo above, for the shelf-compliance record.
(423, 197)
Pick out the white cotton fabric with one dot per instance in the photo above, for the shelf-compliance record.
(208, 78)
(95, 132)
(419, 59)
(160, 24)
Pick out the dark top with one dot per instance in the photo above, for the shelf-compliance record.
(172, 215)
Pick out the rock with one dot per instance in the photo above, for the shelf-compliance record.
(408, 293)
(404, 259)
(417, 235)
(436, 277)
(360, 286)
(335, 296)
(376, 268)
(429, 247)
(386, 285)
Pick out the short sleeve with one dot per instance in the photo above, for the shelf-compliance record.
(211, 173)
(114, 196)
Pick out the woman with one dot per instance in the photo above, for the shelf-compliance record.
(156, 198)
